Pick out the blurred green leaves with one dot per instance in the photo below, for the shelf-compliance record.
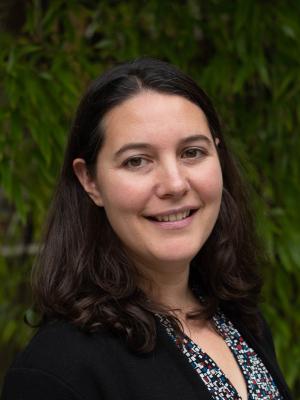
(245, 54)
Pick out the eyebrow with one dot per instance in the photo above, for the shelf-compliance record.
(141, 146)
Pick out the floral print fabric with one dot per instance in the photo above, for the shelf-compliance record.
(259, 382)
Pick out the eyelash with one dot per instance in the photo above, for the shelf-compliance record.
(127, 162)
(199, 149)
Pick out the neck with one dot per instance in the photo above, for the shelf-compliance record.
(168, 285)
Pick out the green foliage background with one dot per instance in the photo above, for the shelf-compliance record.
(244, 53)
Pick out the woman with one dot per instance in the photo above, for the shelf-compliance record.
(148, 282)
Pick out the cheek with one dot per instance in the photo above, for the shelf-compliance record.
(210, 183)
(125, 195)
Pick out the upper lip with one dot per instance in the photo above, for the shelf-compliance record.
(173, 211)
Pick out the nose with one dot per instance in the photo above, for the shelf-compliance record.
(171, 181)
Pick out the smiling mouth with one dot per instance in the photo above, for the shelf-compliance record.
(173, 217)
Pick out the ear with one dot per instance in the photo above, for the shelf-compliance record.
(217, 141)
(87, 181)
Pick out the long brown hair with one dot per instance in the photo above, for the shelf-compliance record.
(83, 275)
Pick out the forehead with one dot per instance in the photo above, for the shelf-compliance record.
(154, 117)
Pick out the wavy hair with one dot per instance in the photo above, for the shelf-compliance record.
(82, 274)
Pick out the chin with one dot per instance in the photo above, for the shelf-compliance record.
(183, 257)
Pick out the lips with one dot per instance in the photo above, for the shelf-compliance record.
(173, 215)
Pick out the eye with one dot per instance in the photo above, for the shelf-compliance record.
(194, 153)
(135, 162)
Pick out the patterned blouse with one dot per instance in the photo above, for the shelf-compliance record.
(260, 384)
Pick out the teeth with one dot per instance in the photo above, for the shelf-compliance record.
(174, 217)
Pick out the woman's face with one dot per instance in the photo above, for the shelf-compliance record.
(158, 178)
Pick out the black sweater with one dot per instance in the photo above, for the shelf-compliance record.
(63, 363)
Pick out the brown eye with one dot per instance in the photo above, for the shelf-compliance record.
(135, 162)
(193, 152)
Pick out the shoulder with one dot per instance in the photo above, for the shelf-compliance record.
(61, 362)
(56, 343)
(62, 359)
